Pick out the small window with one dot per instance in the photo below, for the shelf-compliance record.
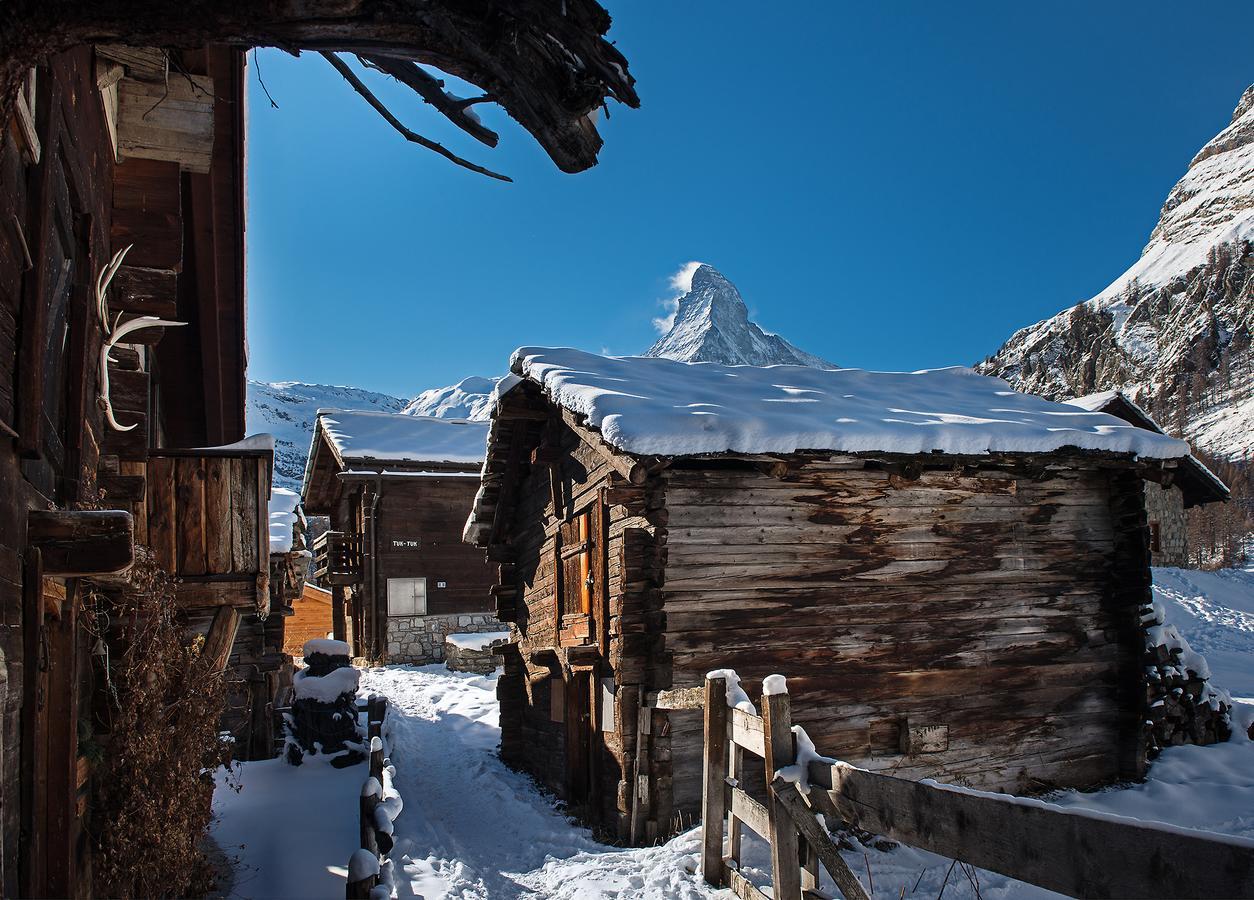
(407, 596)
(1156, 543)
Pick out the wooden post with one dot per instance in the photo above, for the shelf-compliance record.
(713, 804)
(777, 735)
(221, 638)
(338, 630)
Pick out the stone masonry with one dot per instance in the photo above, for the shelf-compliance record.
(420, 639)
(1164, 508)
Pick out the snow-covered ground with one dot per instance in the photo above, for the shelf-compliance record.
(471, 828)
(1215, 613)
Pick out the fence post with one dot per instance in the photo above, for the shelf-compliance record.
(777, 734)
(713, 802)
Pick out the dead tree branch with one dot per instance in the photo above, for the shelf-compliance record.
(431, 89)
(414, 137)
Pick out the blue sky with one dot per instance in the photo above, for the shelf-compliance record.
(891, 186)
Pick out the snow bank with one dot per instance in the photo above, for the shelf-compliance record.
(660, 406)
(466, 641)
(326, 688)
(327, 647)
(252, 442)
(358, 434)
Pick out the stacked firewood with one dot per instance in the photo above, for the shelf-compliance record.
(324, 709)
(1181, 705)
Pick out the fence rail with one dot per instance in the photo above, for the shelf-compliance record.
(1073, 852)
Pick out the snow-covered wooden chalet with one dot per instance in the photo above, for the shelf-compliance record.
(397, 489)
(950, 573)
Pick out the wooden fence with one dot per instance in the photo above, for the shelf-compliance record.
(376, 843)
(1071, 852)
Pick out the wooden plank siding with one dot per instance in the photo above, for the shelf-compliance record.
(981, 603)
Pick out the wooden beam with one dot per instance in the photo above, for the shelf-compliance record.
(1049, 846)
(777, 734)
(83, 542)
(122, 488)
(145, 291)
(221, 638)
(713, 803)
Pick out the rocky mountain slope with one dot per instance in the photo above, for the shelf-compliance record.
(712, 325)
(470, 398)
(1174, 331)
(287, 409)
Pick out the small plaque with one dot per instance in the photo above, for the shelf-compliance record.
(441, 584)
(398, 544)
(924, 739)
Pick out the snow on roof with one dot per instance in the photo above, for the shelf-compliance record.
(359, 435)
(660, 406)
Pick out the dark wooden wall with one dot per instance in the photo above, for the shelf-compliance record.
(990, 602)
(432, 511)
(54, 220)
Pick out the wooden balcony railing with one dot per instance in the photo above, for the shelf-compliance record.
(206, 518)
(337, 558)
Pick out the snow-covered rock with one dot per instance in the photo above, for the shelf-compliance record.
(1174, 330)
(712, 325)
(288, 409)
(470, 398)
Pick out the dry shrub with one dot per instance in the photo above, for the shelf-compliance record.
(153, 788)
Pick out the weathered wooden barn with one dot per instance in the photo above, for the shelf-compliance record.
(397, 489)
(109, 149)
(949, 573)
(1192, 484)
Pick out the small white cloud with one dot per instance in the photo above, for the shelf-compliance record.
(681, 283)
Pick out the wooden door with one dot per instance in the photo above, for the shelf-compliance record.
(579, 736)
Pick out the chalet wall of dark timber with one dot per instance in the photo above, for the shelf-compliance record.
(67, 205)
(975, 619)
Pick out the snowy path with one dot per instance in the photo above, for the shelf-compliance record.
(471, 828)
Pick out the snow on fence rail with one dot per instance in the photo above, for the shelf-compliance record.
(1075, 852)
(380, 805)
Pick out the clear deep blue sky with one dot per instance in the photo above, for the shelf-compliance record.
(892, 186)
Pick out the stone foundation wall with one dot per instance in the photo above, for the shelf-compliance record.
(420, 639)
(1165, 506)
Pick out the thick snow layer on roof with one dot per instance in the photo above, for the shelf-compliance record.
(357, 434)
(660, 406)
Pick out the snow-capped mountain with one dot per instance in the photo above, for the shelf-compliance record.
(288, 409)
(712, 325)
(1174, 331)
(470, 398)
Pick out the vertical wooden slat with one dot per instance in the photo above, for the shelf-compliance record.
(34, 726)
(244, 522)
(735, 772)
(189, 501)
(263, 534)
(785, 861)
(238, 535)
(218, 516)
(161, 534)
(713, 805)
(61, 817)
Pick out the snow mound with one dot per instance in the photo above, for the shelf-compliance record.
(470, 398)
(326, 688)
(283, 518)
(326, 646)
(660, 406)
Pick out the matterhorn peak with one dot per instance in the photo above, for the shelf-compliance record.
(711, 324)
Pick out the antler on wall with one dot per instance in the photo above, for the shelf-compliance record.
(115, 334)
